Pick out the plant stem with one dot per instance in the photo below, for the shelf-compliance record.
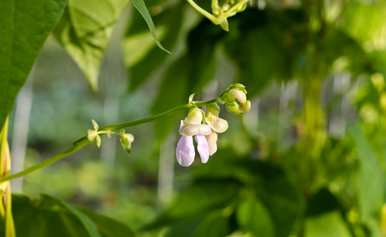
(83, 141)
(203, 12)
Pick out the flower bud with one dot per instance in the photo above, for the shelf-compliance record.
(93, 135)
(194, 116)
(238, 95)
(126, 140)
(213, 108)
(233, 107)
(217, 124)
(246, 107)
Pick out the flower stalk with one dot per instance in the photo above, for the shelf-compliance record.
(102, 131)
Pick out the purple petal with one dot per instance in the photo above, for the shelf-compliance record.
(185, 151)
(203, 148)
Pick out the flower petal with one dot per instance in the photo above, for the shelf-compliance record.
(212, 142)
(185, 151)
(204, 130)
(189, 129)
(202, 148)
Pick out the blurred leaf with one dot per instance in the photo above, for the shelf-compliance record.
(108, 227)
(201, 46)
(365, 22)
(85, 31)
(370, 184)
(83, 218)
(214, 224)
(268, 49)
(330, 224)
(142, 9)
(196, 202)
(172, 92)
(321, 202)
(25, 25)
(140, 51)
(254, 218)
(47, 217)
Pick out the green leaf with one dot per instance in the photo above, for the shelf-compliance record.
(370, 179)
(107, 226)
(330, 224)
(215, 224)
(142, 9)
(47, 217)
(85, 31)
(142, 57)
(83, 218)
(365, 22)
(253, 217)
(24, 26)
(190, 208)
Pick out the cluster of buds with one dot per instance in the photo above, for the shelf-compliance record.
(235, 99)
(221, 12)
(204, 126)
(228, 9)
(94, 135)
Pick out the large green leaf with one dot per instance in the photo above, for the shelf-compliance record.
(254, 217)
(85, 31)
(370, 179)
(47, 217)
(365, 22)
(24, 26)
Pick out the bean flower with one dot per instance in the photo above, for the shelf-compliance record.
(190, 127)
(203, 128)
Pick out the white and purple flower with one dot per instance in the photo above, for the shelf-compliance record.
(205, 136)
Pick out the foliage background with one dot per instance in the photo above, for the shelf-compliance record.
(308, 160)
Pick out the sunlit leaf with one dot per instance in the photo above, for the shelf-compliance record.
(85, 31)
(24, 26)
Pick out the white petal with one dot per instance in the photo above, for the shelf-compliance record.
(185, 151)
(202, 148)
(212, 142)
(190, 129)
(204, 130)
(218, 125)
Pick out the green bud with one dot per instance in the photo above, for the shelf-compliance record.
(126, 140)
(194, 116)
(213, 108)
(246, 106)
(233, 107)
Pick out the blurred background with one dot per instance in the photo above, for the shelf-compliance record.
(307, 160)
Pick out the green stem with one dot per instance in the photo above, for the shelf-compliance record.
(203, 12)
(83, 141)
